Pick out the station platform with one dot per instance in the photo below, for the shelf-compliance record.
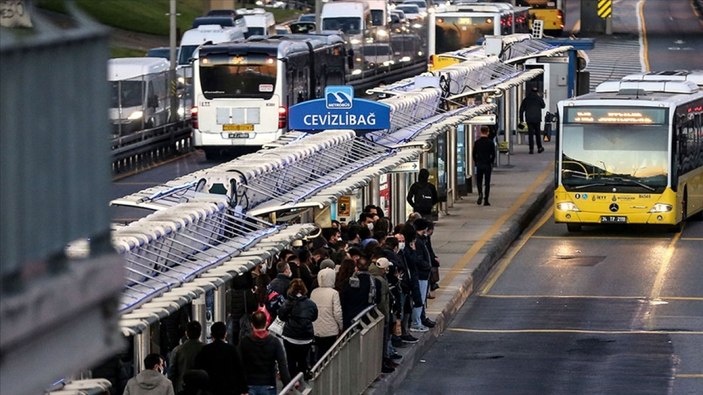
(472, 238)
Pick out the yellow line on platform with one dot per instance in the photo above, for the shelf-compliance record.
(645, 48)
(689, 376)
(579, 331)
(476, 247)
(664, 268)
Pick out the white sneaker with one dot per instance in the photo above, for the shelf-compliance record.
(420, 328)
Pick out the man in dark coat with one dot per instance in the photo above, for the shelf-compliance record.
(531, 112)
(221, 362)
(484, 154)
(183, 357)
(263, 351)
(422, 195)
(360, 292)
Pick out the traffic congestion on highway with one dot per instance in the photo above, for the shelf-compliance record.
(327, 180)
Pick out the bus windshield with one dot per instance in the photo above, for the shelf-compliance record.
(349, 25)
(238, 76)
(598, 157)
(457, 32)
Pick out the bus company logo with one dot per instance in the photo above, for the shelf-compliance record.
(339, 97)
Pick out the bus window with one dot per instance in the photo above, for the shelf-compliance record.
(453, 32)
(239, 76)
(349, 25)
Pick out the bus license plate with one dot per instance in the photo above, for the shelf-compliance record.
(230, 127)
(613, 219)
(238, 135)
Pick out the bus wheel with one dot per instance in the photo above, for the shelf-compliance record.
(573, 227)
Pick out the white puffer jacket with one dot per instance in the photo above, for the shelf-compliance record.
(329, 308)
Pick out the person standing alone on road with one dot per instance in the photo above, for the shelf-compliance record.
(531, 112)
(422, 195)
(484, 154)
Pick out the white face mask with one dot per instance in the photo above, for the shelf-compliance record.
(370, 225)
(401, 245)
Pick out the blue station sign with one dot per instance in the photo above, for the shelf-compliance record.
(339, 110)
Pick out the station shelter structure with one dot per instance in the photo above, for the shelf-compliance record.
(205, 228)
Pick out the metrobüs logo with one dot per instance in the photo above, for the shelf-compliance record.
(339, 97)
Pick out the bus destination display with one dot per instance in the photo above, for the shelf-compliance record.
(611, 115)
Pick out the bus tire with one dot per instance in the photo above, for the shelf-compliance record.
(684, 212)
(572, 228)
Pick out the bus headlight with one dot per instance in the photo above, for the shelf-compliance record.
(661, 208)
(567, 206)
(135, 115)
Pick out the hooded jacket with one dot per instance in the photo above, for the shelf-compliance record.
(298, 313)
(149, 382)
(329, 306)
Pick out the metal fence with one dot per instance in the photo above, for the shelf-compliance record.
(352, 364)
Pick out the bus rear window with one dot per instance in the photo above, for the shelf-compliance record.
(238, 76)
(454, 32)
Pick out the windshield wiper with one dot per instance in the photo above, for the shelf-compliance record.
(629, 180)
(595, 184)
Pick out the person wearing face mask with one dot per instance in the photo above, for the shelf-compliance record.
(399, 279)
(367, 220)
(151, 380)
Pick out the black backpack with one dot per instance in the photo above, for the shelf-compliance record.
(423, 197)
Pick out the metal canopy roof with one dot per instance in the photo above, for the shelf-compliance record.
(173, 298)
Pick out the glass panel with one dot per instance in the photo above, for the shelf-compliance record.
(454, 32)
(602, 156)
(239, 76)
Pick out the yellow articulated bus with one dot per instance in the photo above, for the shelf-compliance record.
(632, 152)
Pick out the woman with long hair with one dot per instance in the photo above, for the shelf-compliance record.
(346, 270)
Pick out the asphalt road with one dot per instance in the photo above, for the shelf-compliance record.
(593, 313)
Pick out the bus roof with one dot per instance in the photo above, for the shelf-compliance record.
(126, 68)
(672, 87)
(279, 47)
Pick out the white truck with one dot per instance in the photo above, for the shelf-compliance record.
(214, 34)
(259, 22)
(139, 94)
(352, 18)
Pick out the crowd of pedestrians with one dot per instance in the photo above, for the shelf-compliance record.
(315, 290)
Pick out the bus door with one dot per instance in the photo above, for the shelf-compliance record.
(553, 84)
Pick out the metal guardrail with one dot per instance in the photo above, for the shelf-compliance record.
(373, 78)
(359, 349)
(150, 145)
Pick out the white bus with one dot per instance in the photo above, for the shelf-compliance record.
(243, 90)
